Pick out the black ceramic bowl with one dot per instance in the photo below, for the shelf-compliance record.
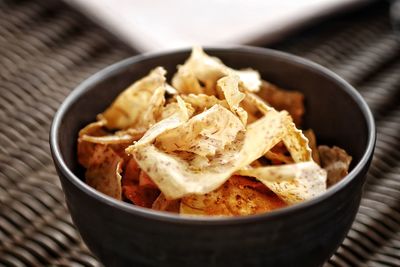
(307, 234)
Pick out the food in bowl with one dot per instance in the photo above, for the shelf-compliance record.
(217, 141)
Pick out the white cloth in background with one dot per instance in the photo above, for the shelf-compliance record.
(150, 25)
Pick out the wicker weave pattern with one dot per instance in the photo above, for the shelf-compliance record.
(47, 48)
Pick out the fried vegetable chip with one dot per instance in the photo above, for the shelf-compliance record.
(204, 134)
(132, 171)
(154, 108)
(230, 88)
(94, 129)
(234, 197)
(201, 68)
(186, 82)
(291, 101)
(294, 140)
(312, 141)
(163, 204)
(201, 102)
(145, 180)
(176, 177)
(86, 149)
(296, 143)
(335, 161)
(176, 119)
(140, 196)
(108, 139)
(177, 107)
(293, 183)
(104, 171)
(278, 158)
(128, 108)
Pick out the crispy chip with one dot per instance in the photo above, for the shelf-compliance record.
(177, 177)
(180, 116)
(293, 183)
(94, 129)
(164, 204)
(291, 101)
(335, 161)
(186, 82)
(108, 139)
(204, 134)
(131, 172)
(234, 197)
(296, 143)
(250, 79)
(177, 107)
(132, 103)
(170, 90)
(145, 181)
(230, 88)
(86, 149)
(278, 158)
(103, 172)
(135, 133)
(294, 140)
(312, 141)
(254, 106)
(140, 196)
(94, 135)
(204, 69)
(153, 110)
(201, 102)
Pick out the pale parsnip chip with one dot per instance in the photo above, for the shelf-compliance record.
(312, 142)
(206, 69)
(176, 177)
(250, 79)
(108, 139)
(94, 129)
(175, 107)
(294, 140)
(204, 134)
(201, 102)
(176, 119)
(170, 90)
(135, 133)
(130, 105)
(154, 109)
(104, 172)
(230, 88)
(186, 82)
(293, 183)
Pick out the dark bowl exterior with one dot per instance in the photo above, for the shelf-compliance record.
(307, 234)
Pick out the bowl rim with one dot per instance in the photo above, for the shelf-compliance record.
(203, 220)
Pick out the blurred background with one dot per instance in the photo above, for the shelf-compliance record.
(48, 47)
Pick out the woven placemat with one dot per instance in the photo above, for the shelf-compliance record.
(47, 48)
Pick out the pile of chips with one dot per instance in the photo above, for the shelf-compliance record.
(217, 141)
